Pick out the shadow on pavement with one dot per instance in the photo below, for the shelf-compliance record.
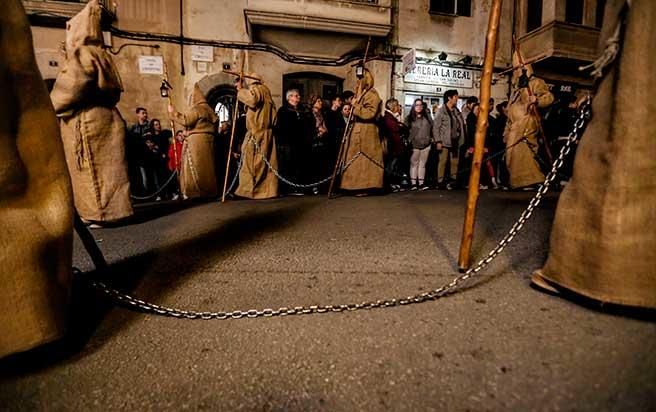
(89, 307)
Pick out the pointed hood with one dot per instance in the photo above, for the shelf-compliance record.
(84, 28)
(196, 97)
(367, 80)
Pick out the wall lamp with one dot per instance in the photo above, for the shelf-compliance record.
(442, 56)
(466, 60)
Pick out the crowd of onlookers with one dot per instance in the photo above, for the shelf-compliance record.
(427, 148)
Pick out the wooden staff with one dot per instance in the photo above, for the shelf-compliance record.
(240, 76)
(170, 100)
(481, 131)
(343, 148)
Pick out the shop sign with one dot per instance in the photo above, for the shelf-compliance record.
(440, 75)
(151, 65)
(409, 61)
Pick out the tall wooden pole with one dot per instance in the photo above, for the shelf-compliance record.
(232, 132)
(481, 131)
(170, 100)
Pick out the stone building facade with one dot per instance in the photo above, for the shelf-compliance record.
(312, 45)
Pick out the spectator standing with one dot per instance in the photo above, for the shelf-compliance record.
(174, 162)
(318, 166)
(497, 146)
(448, 131)
(161, 139)
(420, 129)
(559, 122)
(488, 174)
(292, 131)
(468, 107)
(395, 132)
(333, 121)
(136, 151)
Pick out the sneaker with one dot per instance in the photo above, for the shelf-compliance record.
(296, 194)
(175, 197)
(185, 197)
(482, 187)
(450, 186)
(315, 191)
(94, 226)
(395, 188)
(413, 188)
(424, 188)
(158, 199)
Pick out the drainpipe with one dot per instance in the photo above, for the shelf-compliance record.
(182, 66)
(394, 38)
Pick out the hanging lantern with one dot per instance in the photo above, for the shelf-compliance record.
(359, 70)
(164, 89)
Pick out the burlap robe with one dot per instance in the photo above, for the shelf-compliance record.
(256, 181)
(93, 132)
(36, 206)
(363, 173)
(603, 243)
(520, 157)
(197, 174)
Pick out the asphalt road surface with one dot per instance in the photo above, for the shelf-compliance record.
(496, 344)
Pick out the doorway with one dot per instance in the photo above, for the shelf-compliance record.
(313, 83)
(222, 100)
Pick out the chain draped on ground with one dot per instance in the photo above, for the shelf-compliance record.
(138, 304)
(160, 190)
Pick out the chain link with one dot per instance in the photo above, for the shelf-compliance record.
(161, 188)
(299, 185)
(433, 294)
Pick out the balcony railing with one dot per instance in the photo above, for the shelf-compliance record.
(561, 39)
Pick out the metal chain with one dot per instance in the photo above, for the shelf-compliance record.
(139, 304)
(170, 179)
(235, 179)
(299, 185)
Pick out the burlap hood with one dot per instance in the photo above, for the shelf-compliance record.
(84, 28)
(367, 80)
(196, 97)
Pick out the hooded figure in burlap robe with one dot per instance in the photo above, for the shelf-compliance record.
(85, 95)
(603, 242)
(256, 181)
(198, 177)
(363, 174)
(520, 157)
(36, 200)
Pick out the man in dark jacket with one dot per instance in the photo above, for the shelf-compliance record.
(292, 132)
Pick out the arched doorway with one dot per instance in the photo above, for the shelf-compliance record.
(313, 83)
(222, 99)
